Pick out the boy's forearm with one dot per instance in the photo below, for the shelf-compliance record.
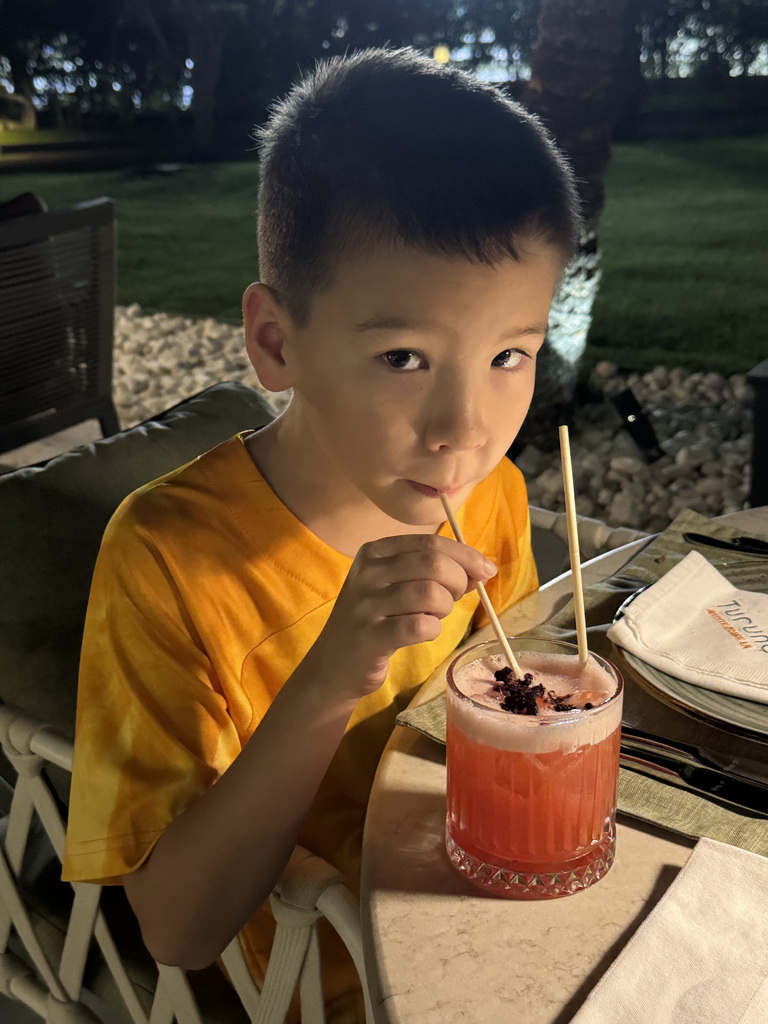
(219, 860)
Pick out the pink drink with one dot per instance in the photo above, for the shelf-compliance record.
(532, 797)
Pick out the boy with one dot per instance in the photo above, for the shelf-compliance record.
(259, 616)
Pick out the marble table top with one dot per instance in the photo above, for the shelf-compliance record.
(439, 951)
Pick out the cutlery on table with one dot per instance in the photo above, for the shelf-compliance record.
(728, 788)
(747, 545)
(636, 740)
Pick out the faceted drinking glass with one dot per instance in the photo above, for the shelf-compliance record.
(531, 799)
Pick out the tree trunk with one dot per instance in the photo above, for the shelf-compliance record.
(210, 21)
(576, 68)
(23, 84)
(631, 90)
(206, 46)
(575, 88)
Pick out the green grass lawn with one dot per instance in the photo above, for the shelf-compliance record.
(684, 239)
(186, 241)
(685, 279)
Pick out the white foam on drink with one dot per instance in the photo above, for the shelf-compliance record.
(548, 730)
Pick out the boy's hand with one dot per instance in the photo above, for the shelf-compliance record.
(394, 595)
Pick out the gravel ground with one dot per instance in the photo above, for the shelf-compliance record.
(702, 421)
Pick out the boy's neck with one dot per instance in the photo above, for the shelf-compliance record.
(303, 478)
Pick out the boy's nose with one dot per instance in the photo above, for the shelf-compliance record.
(455, 418)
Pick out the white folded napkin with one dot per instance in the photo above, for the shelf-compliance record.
(694, 625)
(701, 956)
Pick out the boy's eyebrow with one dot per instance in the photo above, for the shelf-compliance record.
(399, 323)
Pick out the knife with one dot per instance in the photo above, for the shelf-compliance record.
(687, 753)
(738, 793)
(637, 739)
(749, 545)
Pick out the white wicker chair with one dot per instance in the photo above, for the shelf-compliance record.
(50, 980)
(52, 516)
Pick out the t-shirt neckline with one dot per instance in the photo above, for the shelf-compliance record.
(444, 530)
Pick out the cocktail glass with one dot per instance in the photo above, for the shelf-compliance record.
(532, 798)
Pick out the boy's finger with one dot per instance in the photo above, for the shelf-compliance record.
(418, 597)
(428, 566)
(472, 561)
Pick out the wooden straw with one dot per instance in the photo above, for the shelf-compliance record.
(573, 546)
(498, 629)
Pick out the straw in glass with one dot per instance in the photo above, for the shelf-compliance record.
(573, 546)
(486, 601)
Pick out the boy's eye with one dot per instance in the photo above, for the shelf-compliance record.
(509, 359)
(401, 359)
(405, 359)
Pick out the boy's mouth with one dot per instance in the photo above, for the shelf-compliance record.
(433, 492)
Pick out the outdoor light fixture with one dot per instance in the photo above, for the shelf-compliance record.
(638, 425)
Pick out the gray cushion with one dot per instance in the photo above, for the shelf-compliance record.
(52, 517)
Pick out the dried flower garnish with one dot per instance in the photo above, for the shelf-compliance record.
(522, 698)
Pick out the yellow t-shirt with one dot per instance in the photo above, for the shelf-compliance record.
(207, 592)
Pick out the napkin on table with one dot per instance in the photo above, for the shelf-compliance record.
(696, 626)
(701, 956)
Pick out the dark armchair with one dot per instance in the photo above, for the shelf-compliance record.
(57, 296)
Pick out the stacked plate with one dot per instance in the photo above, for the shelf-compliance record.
(746, 718)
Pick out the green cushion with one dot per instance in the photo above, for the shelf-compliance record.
(52, 517)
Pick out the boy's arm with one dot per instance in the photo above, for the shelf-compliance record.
(215, 864)
(219, 860)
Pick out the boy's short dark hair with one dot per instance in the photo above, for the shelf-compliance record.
(388, 146)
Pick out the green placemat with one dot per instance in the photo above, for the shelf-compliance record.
(641, 796)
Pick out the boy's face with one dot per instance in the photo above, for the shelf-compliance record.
(415, 373)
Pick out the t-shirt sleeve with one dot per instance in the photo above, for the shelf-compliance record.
(527, 575)
(509, 545)
(152, 732)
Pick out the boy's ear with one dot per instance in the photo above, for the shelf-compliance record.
(266, 324)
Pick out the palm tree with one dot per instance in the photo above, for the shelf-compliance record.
(578, 78)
